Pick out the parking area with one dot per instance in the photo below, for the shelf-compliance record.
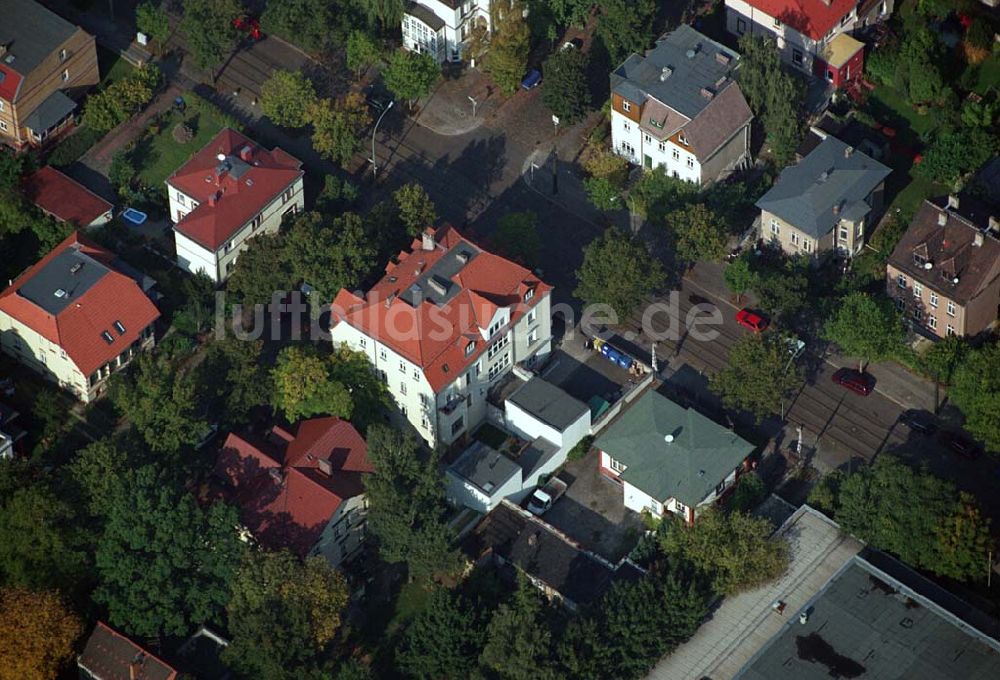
(591, 511)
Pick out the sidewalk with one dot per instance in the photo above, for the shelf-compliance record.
(448, 111)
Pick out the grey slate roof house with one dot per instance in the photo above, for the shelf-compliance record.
(679, 107)
(825, 203)
(669, 458)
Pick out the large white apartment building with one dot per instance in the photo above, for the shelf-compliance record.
(229, 192)
(679, 108)
(441, 27)
(446, 322)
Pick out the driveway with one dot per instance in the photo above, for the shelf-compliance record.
(592, 513)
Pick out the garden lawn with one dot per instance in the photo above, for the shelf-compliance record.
(113, 66)
(157, 156)
(891, 108)
(989, 75)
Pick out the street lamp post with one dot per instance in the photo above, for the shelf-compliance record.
(374, 159)
(474, 102)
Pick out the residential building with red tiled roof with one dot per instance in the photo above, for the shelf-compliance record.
(299, 488)
(109, 655)
(75, 317)
(65, 199)
(230, 191)
(803, 29)
(446, 321)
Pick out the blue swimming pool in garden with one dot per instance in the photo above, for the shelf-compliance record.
(134, 216)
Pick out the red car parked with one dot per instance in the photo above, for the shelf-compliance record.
(751, 320)
(855, 381)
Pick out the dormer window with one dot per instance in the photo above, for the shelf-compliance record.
(919, 260)
(470, 348)
(682, 138)
(528, 294)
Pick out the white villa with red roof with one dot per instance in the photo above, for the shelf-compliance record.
(227, 193)
(300, 488)
(805, 31)
(75, 317)
(446, 322)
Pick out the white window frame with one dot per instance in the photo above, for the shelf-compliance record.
(626, 105)
(616, 466)
(901, 281)
(775, 227)
(918, 289)
(951, 308)
(933, 299)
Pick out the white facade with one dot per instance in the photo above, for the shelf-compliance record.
(34, 350)
(640, 148)
(194, 257)
(639, 501)
(796, 48)
(344, 534)
(460, 491)
(457, 408)
(440, 28)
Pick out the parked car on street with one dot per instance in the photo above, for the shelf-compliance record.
(960, 444)
(919, 421)
(544, 498)
(532, 79)
(854, 380)
(752, 320)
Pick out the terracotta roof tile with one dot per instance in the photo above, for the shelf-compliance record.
(109, 654)
(78, 327)
(239, 194)
(64, 198)
(814, 18)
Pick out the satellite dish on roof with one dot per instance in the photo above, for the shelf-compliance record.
(928, 265)
(221, 157)
(668, 438)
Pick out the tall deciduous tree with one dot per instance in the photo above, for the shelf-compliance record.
(739, 277)
(303, 388)
(330, 254)
(233, 379)
(865, 327)
(565, 91)
(386, 13)
(287, 98)
(362, 52)
(262, 270)
(310, 24)
(282, 614)
(759, 376)
(37, 634)
(975, 390)
(699, 234)
(517, 237)
(410, 76)
(164, 563)
(518, 637)
(625, 26)
(509, 46)
(416, 209)
(443, 641)
(152, 19)
(208, 29)
(406, 504)
(338, 126)
(773, 94)
(734, 550)
(161, 402)
(617, 270)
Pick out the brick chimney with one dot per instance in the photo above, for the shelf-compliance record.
(246, 154)
(135, 666)
(427, 241)
(952, 202)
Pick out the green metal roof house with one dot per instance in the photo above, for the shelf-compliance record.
(669, 458)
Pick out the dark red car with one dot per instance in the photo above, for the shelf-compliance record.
(249, 25)
(751, 320)
(855, 381)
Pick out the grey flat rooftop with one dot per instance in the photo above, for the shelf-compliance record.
(32, 31)
(867, 624)
(53, 109)
(745, 623)
(62, 281)
(485, 467)
(548, 403)
(534, 456)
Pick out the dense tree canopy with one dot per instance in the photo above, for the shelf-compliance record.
(37, 634)
(164, 564)
(773, 94)
(760, 375)
(517, 237)
(416, 209)
(866, 327)
(303, 388)
(338, 126)
(152, 19)
(617, 270)
(443, 641)
(518, 638)
(975, 390)
(918, 517)
(734, 550)
(507, 58)
(282, 614)
(565, 90)
(329, 254)
(362, 52)
(208, 29)
(698, 233)
(287, 98)
(406, 504)
(410, 76)
(625, 26)
(262, 270)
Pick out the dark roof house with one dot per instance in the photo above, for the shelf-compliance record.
(830, 184)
